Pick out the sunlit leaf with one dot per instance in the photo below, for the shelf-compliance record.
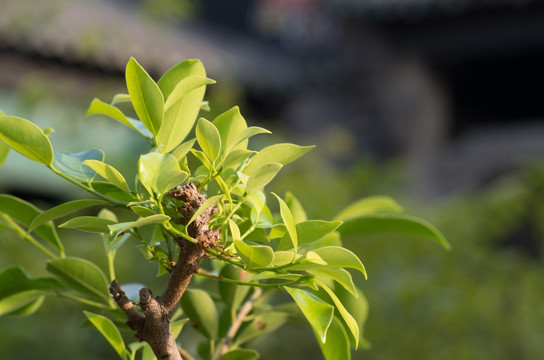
(159, 173)
(278, 153)
(357, 306)
(4, 152)
(264, 175)
(99, 107)
(337, 345)
(63, 210)
(299, 214)
(254, 256)
(182, 114)
(146, 96)
(108, 329)
(200, 308)
(230, 124)
(26, 138)
(120, 98)
(341, 276)
(368, 206)
(393, 225)
(72, 164)
(81, 275)
(208, 138)
(289, 222)
(235, 158)
(318, 313)
(117, 229)
(309, 231)
(109, 173)
(181, 151)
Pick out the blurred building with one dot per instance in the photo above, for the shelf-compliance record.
(452, 84)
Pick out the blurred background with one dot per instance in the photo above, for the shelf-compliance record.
(437, 103)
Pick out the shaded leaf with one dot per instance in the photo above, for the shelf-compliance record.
(289, 222)
(81, 275)
(278, 153)
(112, 191)
(88, 223)
(206, 204)
(261, 324)
(391, 225)
(14, 280)
(309, 231)
(72, 164)
(233, 295)
(337, 345)
(4, 152)
(63, 210)
(116, 229)
(240, 354)
(26, 138)
(200, 308)
(299, 214)
(21, 304)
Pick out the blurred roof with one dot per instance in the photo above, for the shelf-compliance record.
(105, 34)
(414, 10)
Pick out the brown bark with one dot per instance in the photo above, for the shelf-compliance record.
(152, 324)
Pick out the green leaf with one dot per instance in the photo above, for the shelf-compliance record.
(181, 151)
(341, 276)
(339, 257)
(348, 319)
(393, 225)
(72, 164)
(235, 158)
(309, 231)
(208, 138)
(146, 96)
(337, 345)
(262, 324)
(63, 210)
(142, 211)
(159, 173)
(262, 177)
(368, 206)
(15, 280)
(109, 173)
(22, 303)
(26, 138)
(206, 204)
(112, 191)
(299, 214)
(230, 124)
(88, 224)
(81, 275)
(240, 354)
(254, 256)
(117, 229)
(278, 153)
(4, 152)
(24, 212)
(120, 98)
(233, 295)
(182, 114)
(358, 308)
(199, 307)
(108, 329)
(99, 107)
(180, 110)
(289, 222)
(318, 312)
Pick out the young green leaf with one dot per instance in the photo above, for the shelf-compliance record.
(318, 313)
(181, 151)
(146, 96)
(264, 175)
(142, 211)
(278, 153)
(337, 345)
(230, 124)
(182, 114)
(208, 138)
(339, 257)
(173, 129)
(109, 173)
(24, 212)
(72, 164)
(199, 307)
(117, 229)
(254, 256)
(357, 306)
(88, 224)
(393, 225)
(368, 206)
(108, 329)
(309, 231)
(348, 319)
(63, 210)
(289, 222)
(299, 214)
(341, 276)
(26, 138)
(99, 107)
(120, 98)
(159, 173)
(236, 157)
(81, 275)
